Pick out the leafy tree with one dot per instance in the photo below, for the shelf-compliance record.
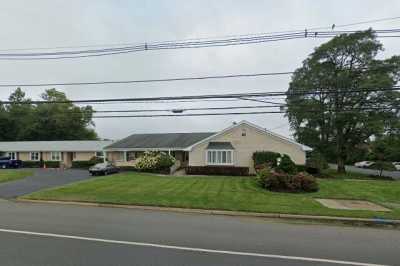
(339, 112)
(316, 163)
(20, 114)
(62, 121)
(22, 120)
(388, 146)
(4, 123)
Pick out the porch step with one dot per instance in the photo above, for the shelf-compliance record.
(180, 172)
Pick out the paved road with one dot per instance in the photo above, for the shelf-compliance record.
(91, 236)
(393, 174)
(41, 179)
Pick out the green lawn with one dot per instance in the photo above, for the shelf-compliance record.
(11, 175)
(351, 175)
(226, 193)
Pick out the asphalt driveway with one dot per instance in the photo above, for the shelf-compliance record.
(41, 179)
(350, 168)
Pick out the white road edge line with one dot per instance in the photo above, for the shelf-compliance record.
(203, 250)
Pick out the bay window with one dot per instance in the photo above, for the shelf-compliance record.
(219, 157)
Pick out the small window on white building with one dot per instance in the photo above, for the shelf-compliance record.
(99, 154)
(55, 156)
(12, 155)
(35, 156)
(219, 157)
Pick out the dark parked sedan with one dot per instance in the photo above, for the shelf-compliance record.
(7, 162)
(103, 169)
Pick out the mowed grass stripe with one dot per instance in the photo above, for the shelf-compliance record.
(226, 193)
(7, 175)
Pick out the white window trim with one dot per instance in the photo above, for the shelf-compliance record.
(54, 152)
(225, 150)
(12, 157)
(102, 155)
(30, 156)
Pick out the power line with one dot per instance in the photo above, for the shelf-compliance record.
(219, 114)
(180, 110)
(241, 40)
(199, 114)
(248, 75)
(206, 38)
(211, 96)
(165, 98)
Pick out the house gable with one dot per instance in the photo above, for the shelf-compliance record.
(246, 139)
(255, 127)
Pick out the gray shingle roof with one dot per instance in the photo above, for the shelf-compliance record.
(161, 140)
(64, 145)
(220, 146)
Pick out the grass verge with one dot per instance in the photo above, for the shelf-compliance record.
(11, 175)
(332, 173)
(226, 193)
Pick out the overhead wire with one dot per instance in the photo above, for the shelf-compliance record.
(213, 96)
(210, 37)
(245, 75)
(181, 45)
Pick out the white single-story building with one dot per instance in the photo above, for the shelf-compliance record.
(65, 151)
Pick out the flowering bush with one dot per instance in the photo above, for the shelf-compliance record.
(284, 182)
(152, 160)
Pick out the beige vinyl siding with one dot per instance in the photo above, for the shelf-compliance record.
(254, 140)
(46, 156)
(24, 156)
(83, 156)
(115, 156)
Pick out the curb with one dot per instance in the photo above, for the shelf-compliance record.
(346, 220)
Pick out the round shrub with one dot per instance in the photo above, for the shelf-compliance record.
(305, 182)
(277, 182)
(262, 175)
(284, 182)
(154, 161)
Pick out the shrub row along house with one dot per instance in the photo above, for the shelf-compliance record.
(52, 153)
(227, 151)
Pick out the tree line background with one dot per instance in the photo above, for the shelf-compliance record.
(22, 120)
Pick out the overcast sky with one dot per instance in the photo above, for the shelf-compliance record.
(39, 23)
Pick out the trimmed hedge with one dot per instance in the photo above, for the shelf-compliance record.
(163, 171)
(87, 164)
(217, 170)
(52, 164)
(301, 168)
(269, 157)
(287, 165)
(40, 164)
(31, 164)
